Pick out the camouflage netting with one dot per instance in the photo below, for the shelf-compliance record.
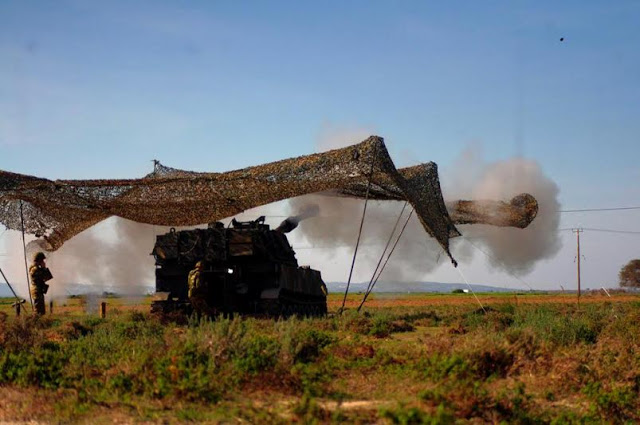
(55, 211)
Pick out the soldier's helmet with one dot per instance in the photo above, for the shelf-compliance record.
(199, 264)
(39, 256)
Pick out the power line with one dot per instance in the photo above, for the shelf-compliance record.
(629, 232)
(333, 246)
(594, 229)
(599, 209)
(576, 210)
(469, 238)
(573, 210)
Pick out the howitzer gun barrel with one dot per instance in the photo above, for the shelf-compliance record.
(519, 212)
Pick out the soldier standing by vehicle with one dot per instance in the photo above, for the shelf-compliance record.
(39, 275)
(198, 290)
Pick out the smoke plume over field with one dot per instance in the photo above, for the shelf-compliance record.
(513, 250)
(111, 256)
(122, 264)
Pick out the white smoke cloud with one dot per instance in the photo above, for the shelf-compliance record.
(334, 137)
(112, 256)
(12, 263)
(513, 250)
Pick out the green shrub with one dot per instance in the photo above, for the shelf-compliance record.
(16, 335)
(189, 414)
(311, 378)
(301, 344)
(563, 328)
(439, 366)
(515, 406)
(422, 318)
(524, 343)
(260, 353)
(353, 322)
(494, 361)
(480, 363)
(121, 383)
(380, 327)
(488, 318)
(467, 398)
(308, 411)
(43, 367)
(75, 330)
(416, 416)
(618, 404)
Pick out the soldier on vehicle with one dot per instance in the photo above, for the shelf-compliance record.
(39, 275)
(198, 291)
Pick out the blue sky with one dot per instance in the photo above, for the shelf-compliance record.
(98, 89)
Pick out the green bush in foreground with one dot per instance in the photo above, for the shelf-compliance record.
(438, 365)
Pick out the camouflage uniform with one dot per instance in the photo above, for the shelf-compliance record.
(39, 275)
(197, 291)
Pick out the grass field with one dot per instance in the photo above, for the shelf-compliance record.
(419, 358)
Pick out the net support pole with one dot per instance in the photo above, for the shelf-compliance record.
(364, 213)
(373, 283)
(9, 285)
(24, 252)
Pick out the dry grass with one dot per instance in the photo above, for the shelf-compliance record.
(411, 359)
(377, 301)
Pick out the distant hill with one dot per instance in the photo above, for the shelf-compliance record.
(381, 287)
(416, 287)
(71, 289)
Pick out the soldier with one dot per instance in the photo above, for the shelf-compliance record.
(39, 274)
(198, 290)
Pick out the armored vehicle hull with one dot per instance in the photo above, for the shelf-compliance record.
(247, 269)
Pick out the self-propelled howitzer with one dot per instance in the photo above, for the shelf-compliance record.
(248, 268)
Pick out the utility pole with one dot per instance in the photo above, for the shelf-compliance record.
(577, 232)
